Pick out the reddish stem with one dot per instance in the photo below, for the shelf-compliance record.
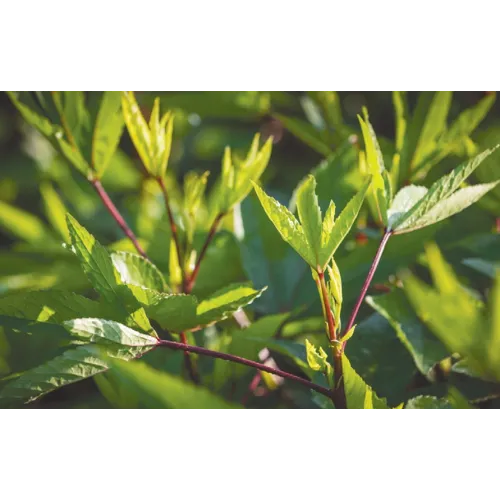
(368, 280)
(191, 280)
(189, 362)
(338, 396)
(242, 361)
(110, 206)
(173, 225)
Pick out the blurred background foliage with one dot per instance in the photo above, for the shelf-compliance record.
(398, 350)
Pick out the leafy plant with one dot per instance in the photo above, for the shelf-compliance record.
(173, 290)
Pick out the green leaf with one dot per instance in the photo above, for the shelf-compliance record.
(493, 350)
(167, 129)
(376, 167)
(287, 225)
(456, 319)
(310, 214)
(439, 191)
(138, 129)
(434, 126)
(404, 201)
(332, 239)
(23, 225)
(108, 130)
(175, 313)
(359, 395)
(452, 205)
(467, 122)
(250, 171)
(42, 124)
(98, 266)
(51, 306)
(306, 133)
(412, 137)
(72, 366)
(317, 359)
(98, 330)
(225, 302)
(136, 270)
(73, 155)
(55, 210)
(142, 386)
(424, 348)
(427, 403)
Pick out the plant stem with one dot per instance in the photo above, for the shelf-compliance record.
(190, 367)
(193, 374)
(173, 225)
(191, 280)
(368, 280)
(110, 206)
(338, 394)
(242, 361)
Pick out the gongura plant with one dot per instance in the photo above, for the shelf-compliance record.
(158, 319)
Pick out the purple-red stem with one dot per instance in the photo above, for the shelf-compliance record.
(173, 225)
(191, 280)
(368, 280)
(243, 361)
(110, 206)
(175, 235)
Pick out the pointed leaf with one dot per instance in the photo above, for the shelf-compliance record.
(306, 133)
(404, 201)
(55, 210)
(425, 349)
(136, 270)
(142, 386)
(98, 266)
(225, 302)
(23, 225)
(74, 365)
(287, 225)
(100, 330)
(452, 205)
(317, 359)
(249, 172)
(138, 129)
(168, 128)
(434, 126)
(427, 403)
(356, 390)
(342, 225)
(376, 166)
(310, 214)
(108, 130)
(440, 190)
(50, 306)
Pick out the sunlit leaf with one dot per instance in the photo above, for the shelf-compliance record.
(144, 387)
(287, 225)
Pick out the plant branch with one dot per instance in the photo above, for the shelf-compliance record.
(173, 225)
(111, 207)
(368, 280)
(338, 393)
(191, 280)
(193, 374)
(243, 361)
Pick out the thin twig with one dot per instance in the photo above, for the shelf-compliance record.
(243, 361)
(173, 225)
(193, 374)
(368, 280)
(110, 206)
(191, 280)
